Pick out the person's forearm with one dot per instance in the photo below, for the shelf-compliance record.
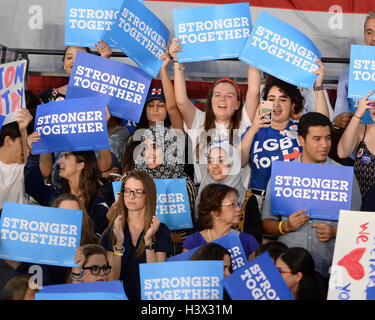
(184, 104)
(104, 160)
(348, 140)
(321, 103)
(170, 100)
(245, 146)
(253, 91)
(26, 150)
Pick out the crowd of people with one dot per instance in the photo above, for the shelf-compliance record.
(228, 187)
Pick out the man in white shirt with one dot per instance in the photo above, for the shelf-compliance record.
(13, 155)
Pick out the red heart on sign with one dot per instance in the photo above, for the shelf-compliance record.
(351, 263)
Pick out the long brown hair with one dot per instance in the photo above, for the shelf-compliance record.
(150, 197)
(88, 180)
(87, 234)
(209, 122)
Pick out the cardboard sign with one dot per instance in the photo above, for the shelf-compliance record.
(172, 207)
(71, 125)
(231, 242)
(86, 21)
(212, 32)
(353, 265)
(182, 280)
(140, 35)
(39, 234)
(323, 190)
(12, 86)
(101, 290)
(123, 88)
(282, 51)
(257, 280)
(362, 71)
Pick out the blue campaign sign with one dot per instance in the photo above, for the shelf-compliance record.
(86, 21)
(172, 206)
(124, 88)
(231, 242)
(39, 234)
(71, 125)
(362, 71)
(279, 49)
(101, 290)
(182, 280)
(212, 32)
(323, 190)
(257, 280)
(141, 35)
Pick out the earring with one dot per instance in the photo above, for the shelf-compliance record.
(217, 218)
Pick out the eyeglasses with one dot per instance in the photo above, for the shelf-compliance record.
(281, 271)
(232, 204)
(136, 193)
(95, 270)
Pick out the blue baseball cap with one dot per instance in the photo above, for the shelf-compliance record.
(155, 94)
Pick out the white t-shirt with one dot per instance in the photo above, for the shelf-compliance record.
(221, 134)
(12, 186)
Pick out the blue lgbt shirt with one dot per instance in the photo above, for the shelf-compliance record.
(270, 144)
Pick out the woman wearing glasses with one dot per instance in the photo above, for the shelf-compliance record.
(136, 235)
(218, 212)
(297, 268)
(92, 264)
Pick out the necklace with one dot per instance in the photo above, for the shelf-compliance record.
(224, 233)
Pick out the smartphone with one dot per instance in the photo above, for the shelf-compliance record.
(266, 106)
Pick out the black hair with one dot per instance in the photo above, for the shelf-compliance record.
(288, 89)
(11, 130)
(300, 260)
(312, 119)
(66, 49)
(274, 248)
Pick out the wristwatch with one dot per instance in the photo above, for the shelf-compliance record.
(151, 246)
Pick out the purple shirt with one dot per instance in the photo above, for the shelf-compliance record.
(249, 243)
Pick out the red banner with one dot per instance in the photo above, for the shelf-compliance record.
(348, 6)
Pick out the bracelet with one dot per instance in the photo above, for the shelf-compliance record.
(356, 116)
(118, 252)
(318, 88)
(179, 66)
(280, 228)
(77, 276)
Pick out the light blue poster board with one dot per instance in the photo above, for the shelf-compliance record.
(71, 125)
(182, 280)
(279, 49)
(323, 190)
(362, 71)
(212, 32)
(86, 21)
(123, 87)
(41, 235)
(172, 206)
(140, 35)
(231, 242)
(257, 280)
(101, 290)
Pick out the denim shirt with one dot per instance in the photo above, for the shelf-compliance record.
(305, 236)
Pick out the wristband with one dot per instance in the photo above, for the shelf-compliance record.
(318, 88)
(118, 252)
(356, 116)
(77, 276)
(280, 228)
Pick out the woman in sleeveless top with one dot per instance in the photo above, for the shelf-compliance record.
(361, 138)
